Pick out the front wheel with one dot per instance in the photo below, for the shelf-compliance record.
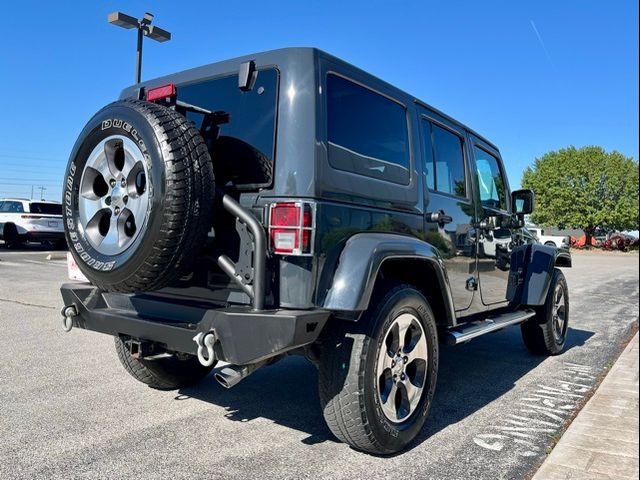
(377, 377)
(11, 237)
(546, 333)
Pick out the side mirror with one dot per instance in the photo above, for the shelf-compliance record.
(523, 202)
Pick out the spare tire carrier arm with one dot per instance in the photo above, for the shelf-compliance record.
(256, 291)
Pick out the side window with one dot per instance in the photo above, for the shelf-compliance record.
(12, 207)
(444, 158)
(367, 132)
(492, 184)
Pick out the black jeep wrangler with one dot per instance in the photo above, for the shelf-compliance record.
(289, 203)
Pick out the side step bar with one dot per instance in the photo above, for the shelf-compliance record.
(464, 333)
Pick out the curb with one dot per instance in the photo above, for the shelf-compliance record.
(601, 442)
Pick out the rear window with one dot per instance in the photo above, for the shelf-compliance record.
(367, 132)
(245, 147)
(45, 208)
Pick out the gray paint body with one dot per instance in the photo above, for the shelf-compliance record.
(340, 275)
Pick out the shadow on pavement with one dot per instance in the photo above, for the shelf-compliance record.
(470, 377)
(32, 247)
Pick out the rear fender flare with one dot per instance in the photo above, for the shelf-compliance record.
(362, 258)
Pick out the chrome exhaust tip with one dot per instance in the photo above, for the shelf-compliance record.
(230, 375)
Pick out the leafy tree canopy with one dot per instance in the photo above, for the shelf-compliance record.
(584, 188)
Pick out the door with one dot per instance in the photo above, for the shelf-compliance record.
(495, 235)
(449, 211)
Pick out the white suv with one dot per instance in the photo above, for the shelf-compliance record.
(30, 220)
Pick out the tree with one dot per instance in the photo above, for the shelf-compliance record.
(584, 188)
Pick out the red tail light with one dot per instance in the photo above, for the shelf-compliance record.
(162, 92)
(291, 227)
(31, 216)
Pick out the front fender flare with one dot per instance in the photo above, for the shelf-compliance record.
(542, 261)
(360, 261)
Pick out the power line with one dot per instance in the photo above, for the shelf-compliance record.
(28, 183)
(23, 168)
(31, 179)
(28, 157)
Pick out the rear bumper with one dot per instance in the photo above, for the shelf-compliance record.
(243, 336)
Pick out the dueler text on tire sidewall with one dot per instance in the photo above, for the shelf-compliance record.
(395, 436)
(115, 119)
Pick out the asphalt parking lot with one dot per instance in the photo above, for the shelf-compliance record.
(68, 410)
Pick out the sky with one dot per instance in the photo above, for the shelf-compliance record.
(532, 76)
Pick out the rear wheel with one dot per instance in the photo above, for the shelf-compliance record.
(166, 373)
(377, 377)
(546, 333)
(550, 244)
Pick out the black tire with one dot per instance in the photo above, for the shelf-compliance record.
(60, 245)
(11, 237)
(239, 163)
(348, 378)
(550, 244)
(541, 334)
(167, 373)
(180, 187)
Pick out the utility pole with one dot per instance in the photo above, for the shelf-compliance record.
(31, 197)
(42, 189)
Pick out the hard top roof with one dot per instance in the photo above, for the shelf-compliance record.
(277, 57)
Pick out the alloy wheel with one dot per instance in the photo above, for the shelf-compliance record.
(114, 195)
(559, 314)
(402, 368)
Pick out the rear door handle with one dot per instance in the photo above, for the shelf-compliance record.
(439, 217)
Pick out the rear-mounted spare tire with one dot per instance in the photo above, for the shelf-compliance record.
(138, 197)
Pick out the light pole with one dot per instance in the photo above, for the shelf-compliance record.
(145, 29)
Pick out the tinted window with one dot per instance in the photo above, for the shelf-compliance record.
(12, 207)
(45, 208)
(445, 162)
(367, 132)
(490, 180)
(247, 139)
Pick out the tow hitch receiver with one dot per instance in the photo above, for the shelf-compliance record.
(147, 350)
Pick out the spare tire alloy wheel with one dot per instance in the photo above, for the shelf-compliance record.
(138, 197)
(114, 197)
(402, 368)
